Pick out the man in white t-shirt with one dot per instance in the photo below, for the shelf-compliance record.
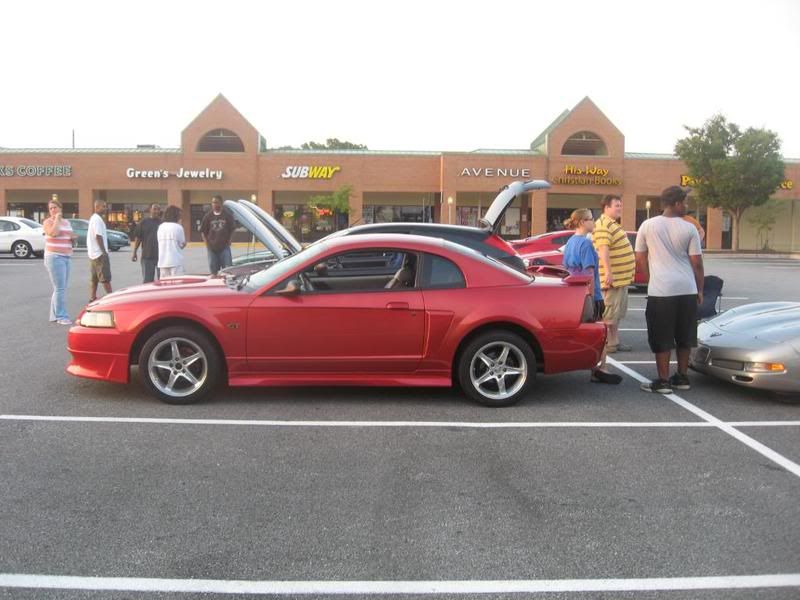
(668, 249)
(97, 250)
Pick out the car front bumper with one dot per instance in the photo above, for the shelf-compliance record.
(99, 353)
(732, 369)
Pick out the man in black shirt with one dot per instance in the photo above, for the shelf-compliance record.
(217, 228)
(146, 237)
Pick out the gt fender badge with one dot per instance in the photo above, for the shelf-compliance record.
(233, 326)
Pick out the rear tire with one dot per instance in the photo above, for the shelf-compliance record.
(496, 368)
(21, 249)
(180, 365)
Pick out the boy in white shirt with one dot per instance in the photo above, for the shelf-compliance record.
(171, 242)
(97, 250)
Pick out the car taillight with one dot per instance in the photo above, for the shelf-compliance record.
(588, 310)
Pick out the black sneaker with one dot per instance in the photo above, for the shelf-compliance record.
(680, 382)
(657, 386)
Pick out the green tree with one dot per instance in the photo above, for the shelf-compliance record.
(763, 218)
(338, 202)
(733, 170)
(333, 144)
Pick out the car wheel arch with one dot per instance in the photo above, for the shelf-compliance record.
(525, 334)
(158, 324)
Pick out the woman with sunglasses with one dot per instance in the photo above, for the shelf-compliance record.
(580, 255)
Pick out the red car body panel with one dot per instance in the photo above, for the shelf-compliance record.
(396, 337)
(556, 257)
(544, 242)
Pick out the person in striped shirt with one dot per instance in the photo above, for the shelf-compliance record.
(617, 268)
(57, 258)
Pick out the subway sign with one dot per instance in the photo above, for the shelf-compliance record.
(310, 172)
(689, 181)
(35, 170)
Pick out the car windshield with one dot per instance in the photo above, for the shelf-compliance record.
(280, 269)
(30, 223)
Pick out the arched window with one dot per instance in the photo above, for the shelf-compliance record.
(220, 140)
(584, 143)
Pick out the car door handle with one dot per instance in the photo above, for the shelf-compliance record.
(397, 305)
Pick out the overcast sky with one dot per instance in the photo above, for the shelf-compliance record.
(395, 75)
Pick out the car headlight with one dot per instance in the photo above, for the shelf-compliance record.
(98, 318)
(764, 367)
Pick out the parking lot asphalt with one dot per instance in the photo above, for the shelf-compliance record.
(579, 491)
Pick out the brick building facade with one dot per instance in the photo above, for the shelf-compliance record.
(581, 153)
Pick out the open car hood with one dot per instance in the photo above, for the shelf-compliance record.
(504, 199)
(277, 230)
(248, 219)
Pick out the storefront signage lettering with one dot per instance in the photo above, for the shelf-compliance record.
(180, 174)
(310, 172)
(687, 180)
(494, 172)
(587, 175)
(36, 171)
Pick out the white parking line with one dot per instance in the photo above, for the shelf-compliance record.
(633, 329)
(540, 586)
(781, 460)
(422, 424)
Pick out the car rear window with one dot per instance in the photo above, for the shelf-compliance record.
(30, 223)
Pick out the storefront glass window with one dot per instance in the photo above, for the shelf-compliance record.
(37, 211)
(398, 214)
(308, 223)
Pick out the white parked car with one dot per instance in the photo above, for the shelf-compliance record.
(21, 237)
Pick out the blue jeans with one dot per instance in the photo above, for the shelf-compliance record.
(219, 260)
(58, 268)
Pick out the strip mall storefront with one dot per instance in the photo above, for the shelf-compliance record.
(582, 154)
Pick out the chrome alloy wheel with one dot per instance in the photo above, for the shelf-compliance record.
(498, 370)
(177, 367)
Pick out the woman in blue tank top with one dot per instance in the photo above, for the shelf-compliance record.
(580, 255)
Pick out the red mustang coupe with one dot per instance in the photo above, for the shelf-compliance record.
(406, 311)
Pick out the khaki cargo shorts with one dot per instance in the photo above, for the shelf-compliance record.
(616, 300)
(100, 269)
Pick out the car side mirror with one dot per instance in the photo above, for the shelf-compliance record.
(292, 289)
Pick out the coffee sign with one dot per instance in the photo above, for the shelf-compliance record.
(36, 170)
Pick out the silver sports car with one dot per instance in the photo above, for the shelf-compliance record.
(755, 345)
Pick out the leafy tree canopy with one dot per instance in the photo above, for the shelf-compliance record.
(330, 144)
(732, 169)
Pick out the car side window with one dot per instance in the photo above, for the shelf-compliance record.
(8, 226)
(441, 273)
(362, 271)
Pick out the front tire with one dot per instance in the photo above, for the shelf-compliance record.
(496, 368)
(21, 249)
(180, 365)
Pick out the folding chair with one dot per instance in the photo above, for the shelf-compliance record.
(712, 297)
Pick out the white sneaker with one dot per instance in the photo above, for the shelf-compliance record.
(64, 321)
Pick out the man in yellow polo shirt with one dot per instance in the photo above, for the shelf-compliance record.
(617, 268)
